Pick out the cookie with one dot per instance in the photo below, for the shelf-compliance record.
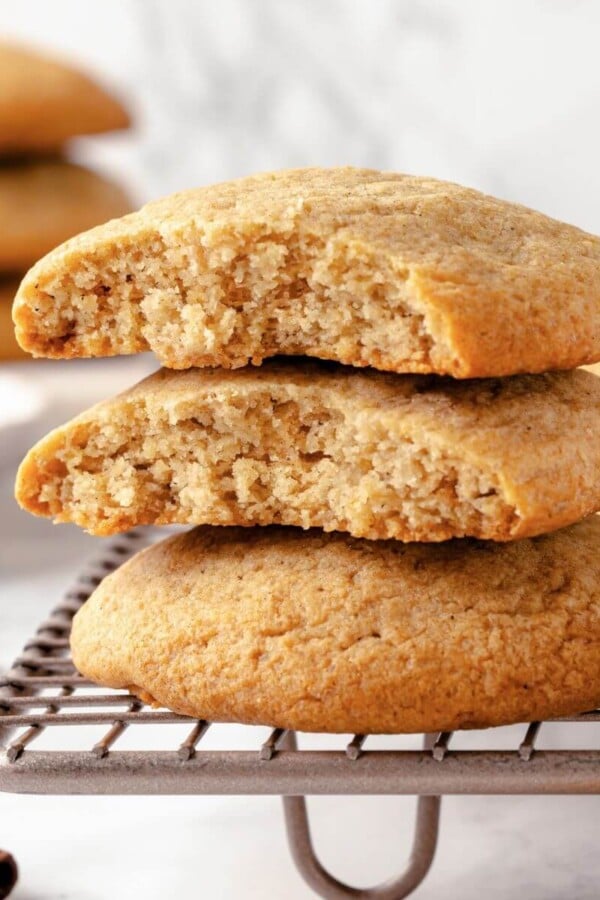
(401, 273)
(412, 458)
(44, 102)
(328, 633)
(44, 202)
(9, 349)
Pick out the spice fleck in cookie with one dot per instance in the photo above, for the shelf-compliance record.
(367, 268)
(44, 202)
(295, 443)
(44, 102)
(327, 633)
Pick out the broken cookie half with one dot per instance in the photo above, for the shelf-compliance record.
(397, 272)
(416, 458)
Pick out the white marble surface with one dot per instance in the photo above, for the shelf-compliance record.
(501, 95)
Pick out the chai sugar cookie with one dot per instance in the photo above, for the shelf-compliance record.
(319, 632)
(45, 101)
(368, 268)
(45, 201)
(379, 456)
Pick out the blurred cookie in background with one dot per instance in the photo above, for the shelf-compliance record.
(44, 102)
(45, 201)
(9, 349)
(44, 198)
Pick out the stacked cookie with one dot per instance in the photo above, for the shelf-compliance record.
(415, 560)
(44, 198)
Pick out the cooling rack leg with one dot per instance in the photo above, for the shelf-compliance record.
(8, 874)
(324, 884)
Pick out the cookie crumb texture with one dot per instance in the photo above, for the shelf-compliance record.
(412, 458)
(397, 272)
(328, 633)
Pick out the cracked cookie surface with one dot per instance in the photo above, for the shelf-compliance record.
(322, 632)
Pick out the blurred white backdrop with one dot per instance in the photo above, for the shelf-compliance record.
(502, 95)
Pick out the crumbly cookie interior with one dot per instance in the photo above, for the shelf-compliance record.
(246, 297)
(266, 456)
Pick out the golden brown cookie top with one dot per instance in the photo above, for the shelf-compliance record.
(400, 272)
(44, 102)
(292, 566)
(324, 632)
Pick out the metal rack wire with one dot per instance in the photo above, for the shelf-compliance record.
(43, 691)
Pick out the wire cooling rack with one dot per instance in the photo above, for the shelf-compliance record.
(43, 691)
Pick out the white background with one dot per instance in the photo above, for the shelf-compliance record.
(499, 95)
(503, 96)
